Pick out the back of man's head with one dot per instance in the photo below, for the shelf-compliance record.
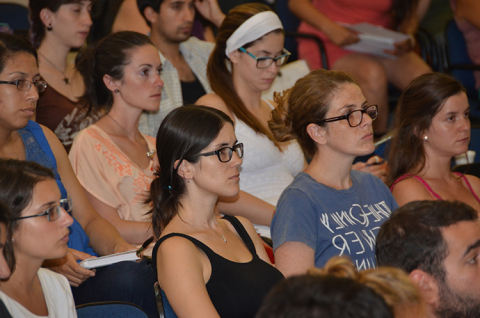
(312, 296)
(412, 238)
(143, 4)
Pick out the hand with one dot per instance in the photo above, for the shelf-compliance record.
(374, 165)
(210, 10)
(340, 35)
(401, 48)
(68, 267)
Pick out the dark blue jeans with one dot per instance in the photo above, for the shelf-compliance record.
(125, 281)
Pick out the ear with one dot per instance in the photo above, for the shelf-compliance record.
(427, 285)
(317, 133)
(46, 16)
(234, 56)
(184, 170)
(150, 15)
(110, 83)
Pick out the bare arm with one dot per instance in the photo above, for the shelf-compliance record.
(134, 232)
(469, 10)
(182, 273)
(210, 10)
(248, 206)
(307, 12)
(104, 238)
(294, 258)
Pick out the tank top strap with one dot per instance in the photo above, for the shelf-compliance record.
(468, 184)
(242, 233)
(207, 250)
(423, 182)
(269, 104)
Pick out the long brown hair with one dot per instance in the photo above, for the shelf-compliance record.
(420, 102)
(306, 102)
(220, 77)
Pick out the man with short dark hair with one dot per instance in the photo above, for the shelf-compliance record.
(184, 58)
(437, 243)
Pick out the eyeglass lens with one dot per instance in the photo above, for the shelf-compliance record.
(24, 85)
(66, 204)
(54, 213)
(355, 117)
(266, 62)
(225, 154)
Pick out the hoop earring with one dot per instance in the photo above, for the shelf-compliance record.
(49, 27)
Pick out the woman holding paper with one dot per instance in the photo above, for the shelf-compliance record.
(324, 18)
(38, 230)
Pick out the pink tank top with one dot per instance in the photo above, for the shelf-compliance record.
(434, 195)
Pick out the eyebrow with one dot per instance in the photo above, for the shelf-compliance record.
(350, 106)
(225, 144)
(471, 247)
(47, 205)
(20, 73)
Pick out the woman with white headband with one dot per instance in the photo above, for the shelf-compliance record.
(250, 40)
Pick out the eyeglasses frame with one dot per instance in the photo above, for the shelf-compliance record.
(15, 82)
(362, 111)
(63, 205)
(217, 152)
(274, 59)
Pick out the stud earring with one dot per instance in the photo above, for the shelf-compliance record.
(425, 137)
(116, 91)
(49, 27)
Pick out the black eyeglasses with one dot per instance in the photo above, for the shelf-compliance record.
(54, 212)
(355, 117)
(225, 154)
(25, 85)
(265, 61)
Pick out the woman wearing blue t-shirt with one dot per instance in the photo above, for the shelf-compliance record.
(328, 209)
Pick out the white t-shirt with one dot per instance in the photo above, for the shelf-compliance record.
(58, 297)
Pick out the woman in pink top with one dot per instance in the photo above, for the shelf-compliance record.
(324, 17)
(111, 158)
(432, 126)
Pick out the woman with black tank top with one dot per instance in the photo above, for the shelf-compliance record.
(207, 265)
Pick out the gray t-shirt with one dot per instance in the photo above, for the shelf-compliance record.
(334, 222)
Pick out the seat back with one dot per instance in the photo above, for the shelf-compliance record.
(458, 59)
(110, 309)
(15, 15)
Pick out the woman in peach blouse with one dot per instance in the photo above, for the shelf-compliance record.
(112, 159)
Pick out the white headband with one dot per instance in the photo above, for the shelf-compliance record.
(252, 29)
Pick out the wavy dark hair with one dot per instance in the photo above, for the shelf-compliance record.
(10, 45)
(17, 180)
(420, 102)
(37, 28)
(108, 57)
(183, 134)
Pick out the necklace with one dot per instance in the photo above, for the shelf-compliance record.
(66, 80)
(150, 153)
(191, 223)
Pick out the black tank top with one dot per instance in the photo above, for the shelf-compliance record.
(235, 289)
(191, 91)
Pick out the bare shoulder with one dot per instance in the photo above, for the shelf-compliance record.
(474, 182)
(247, 225)
(53, 141)
(410, 189)
(213, 100)
(178, 248)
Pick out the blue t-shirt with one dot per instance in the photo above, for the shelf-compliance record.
(334, 222)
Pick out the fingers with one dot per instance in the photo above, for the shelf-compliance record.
(80, 255)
